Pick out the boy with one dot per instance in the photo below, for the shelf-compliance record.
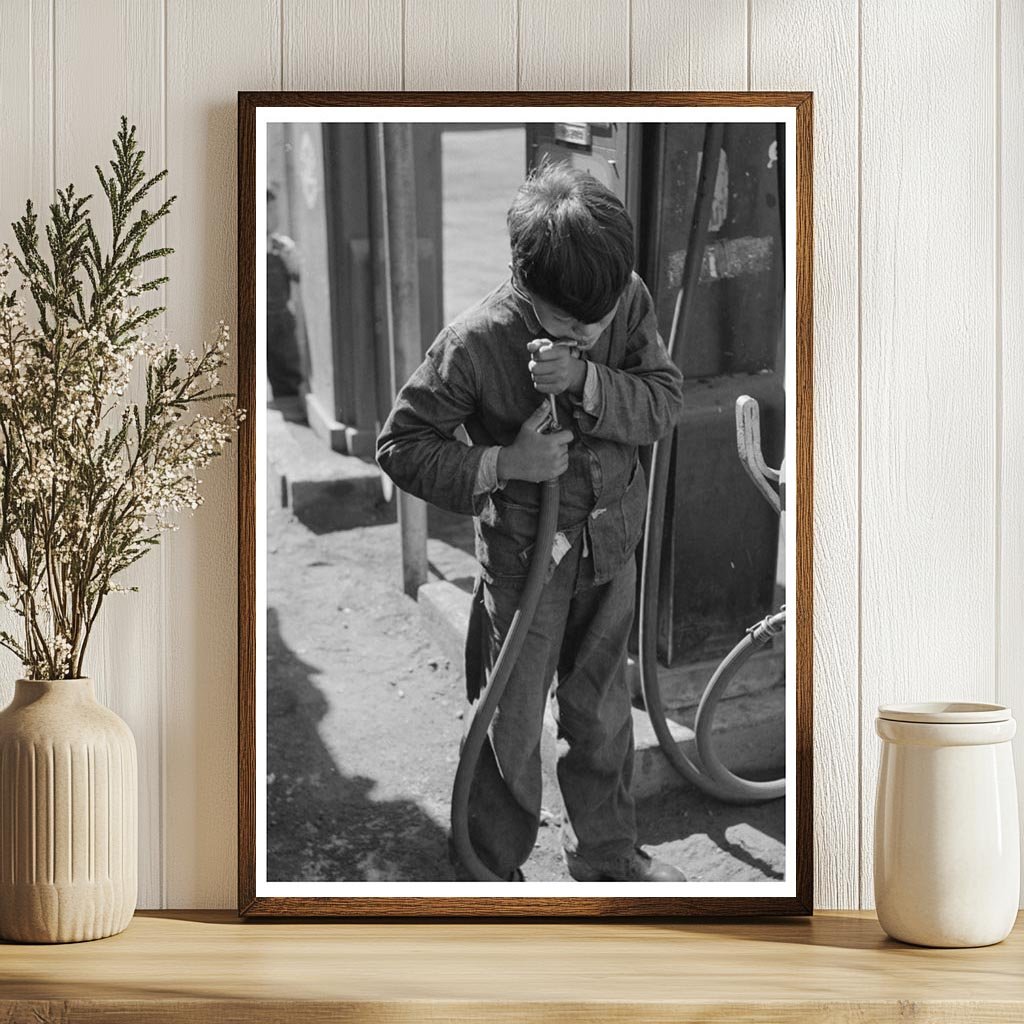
(572, 280)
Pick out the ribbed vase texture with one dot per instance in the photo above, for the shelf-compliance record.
(68, 815)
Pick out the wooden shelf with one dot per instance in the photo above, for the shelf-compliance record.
(209, 966)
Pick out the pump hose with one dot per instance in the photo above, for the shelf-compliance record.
(547, 523)
(708, 773)
(757, 636)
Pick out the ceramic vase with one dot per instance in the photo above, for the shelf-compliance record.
(68, 815)
(947, 847)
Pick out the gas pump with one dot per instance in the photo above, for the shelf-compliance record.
(607, 150)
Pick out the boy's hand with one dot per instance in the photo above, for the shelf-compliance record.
(534, 455)
(555, 368)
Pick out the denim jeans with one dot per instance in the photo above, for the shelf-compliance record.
(579, 631)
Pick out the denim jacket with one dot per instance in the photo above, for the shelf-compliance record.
(476, 374)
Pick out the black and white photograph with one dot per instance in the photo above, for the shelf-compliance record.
(524, 465)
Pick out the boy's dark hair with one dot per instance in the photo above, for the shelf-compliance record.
(572, 241)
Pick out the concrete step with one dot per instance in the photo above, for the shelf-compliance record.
(749, 728)
(683, 685)
(324, 489)
(451, 565)
(749, 732)
(444, 607)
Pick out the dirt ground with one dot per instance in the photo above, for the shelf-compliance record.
(364, 718)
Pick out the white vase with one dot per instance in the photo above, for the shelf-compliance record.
(68, 815)
(947, 847)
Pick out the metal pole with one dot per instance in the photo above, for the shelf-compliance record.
(403, 301)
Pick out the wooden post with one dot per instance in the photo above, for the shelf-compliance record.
(403, 308)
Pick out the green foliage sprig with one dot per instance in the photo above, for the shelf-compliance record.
(89, 477)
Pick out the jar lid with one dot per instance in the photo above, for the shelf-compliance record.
(945, 713)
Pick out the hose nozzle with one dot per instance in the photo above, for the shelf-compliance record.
(552, 407)
(553, 410)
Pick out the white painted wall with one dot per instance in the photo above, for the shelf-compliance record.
(919, 317)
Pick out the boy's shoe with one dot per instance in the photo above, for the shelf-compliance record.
(639, 867)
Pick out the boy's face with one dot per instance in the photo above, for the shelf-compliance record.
(563, 327)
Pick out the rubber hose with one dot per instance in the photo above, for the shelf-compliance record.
(706, 773)
(547, 522)
(718, 782)
(715, 690)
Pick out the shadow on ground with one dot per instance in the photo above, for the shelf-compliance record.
(715, 841)
(343, 832)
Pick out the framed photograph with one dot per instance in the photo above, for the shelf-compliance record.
(525, 504)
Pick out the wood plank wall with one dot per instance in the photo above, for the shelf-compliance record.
(919, 300)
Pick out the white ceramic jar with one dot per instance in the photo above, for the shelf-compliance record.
(947, 847)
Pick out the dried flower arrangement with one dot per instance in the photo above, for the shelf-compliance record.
(89, 478)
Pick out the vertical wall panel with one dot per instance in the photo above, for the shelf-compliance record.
(26, 106)
(697, 45)
(124, 655)
(26, 103)
(460, 44)
(574, 44)
(347, 44)
(830, 70)
(940, 226)
(928, 363)
(213, 51)
(1010, 217)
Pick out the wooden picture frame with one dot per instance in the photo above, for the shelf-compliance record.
(794, 895)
